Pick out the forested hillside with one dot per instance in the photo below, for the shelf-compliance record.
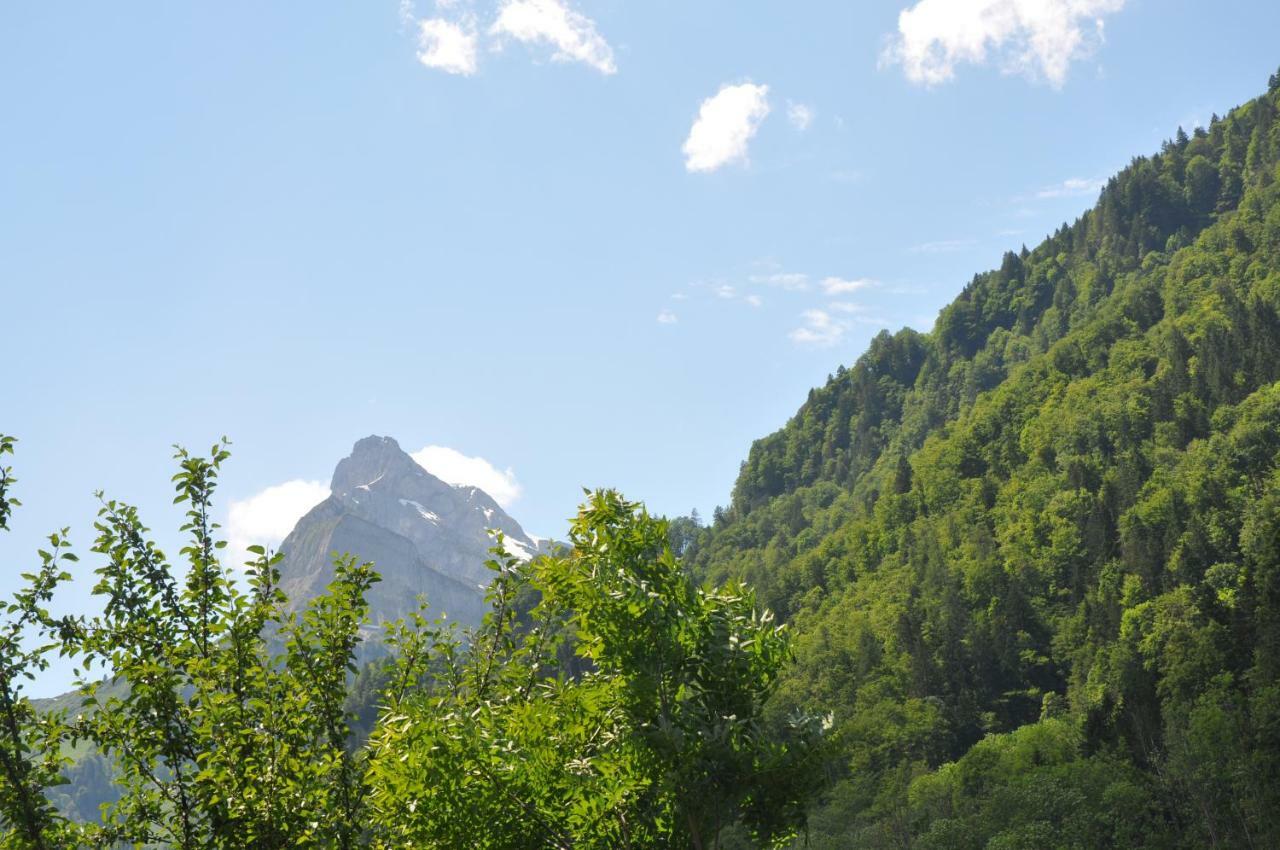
(1032, 558)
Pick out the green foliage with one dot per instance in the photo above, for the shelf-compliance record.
(1032, 788)
(217, 740)
(606, 702)
(31, 756)
(221, 722)
(1059, 504)
(648, 732)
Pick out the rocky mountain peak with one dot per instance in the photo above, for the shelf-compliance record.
(372, 461)
(424, 535)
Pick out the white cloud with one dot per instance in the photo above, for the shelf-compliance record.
(754, 300)
(447, 46)
(572, 34)
(726, 291)
(725, 125)
(1073, 187)
(846, 307)
(945, 246)
(819, 329)
(679, 296)
(790, 281)
(453, 467)
(1037, 38)
(800, 115)
(666, 317)
(840, 286)
(267, 517)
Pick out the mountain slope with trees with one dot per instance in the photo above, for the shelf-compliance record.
(1032, 558)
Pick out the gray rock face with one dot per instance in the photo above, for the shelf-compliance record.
(425, 537)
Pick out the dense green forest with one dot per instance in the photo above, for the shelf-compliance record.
(1032, 558)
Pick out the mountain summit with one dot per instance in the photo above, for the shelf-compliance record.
(425, 536)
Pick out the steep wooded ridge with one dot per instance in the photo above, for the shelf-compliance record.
(1032, 557)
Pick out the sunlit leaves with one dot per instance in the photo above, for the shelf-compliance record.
(624, 711)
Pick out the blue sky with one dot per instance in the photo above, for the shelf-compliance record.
(582, 242)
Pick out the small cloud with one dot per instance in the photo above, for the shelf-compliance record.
(267, 517)
(819, 330)
(572, 34)
(790, 281)
(407, 14)
(1073, 187)
(945, 246)
(846, 307)
(800, 115)
(846, 175)
(725, 125)
(1037, 39)
(858, 313)
(679, 296)
(754, 300)
(447, 46)
(666, 317)
(725, 291)
(453, 467)
(840, 286)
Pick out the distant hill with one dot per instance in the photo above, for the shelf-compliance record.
(1032, 558)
